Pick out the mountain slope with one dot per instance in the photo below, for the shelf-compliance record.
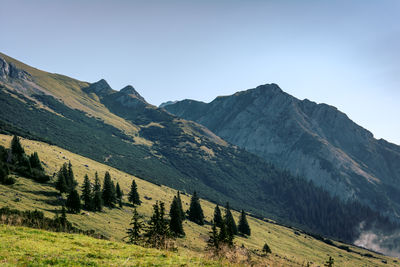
(151, 143)
(312, 140)
(289, 248)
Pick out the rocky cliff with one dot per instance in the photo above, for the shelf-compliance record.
(315, 141)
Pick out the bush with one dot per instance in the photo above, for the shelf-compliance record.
(266, 249)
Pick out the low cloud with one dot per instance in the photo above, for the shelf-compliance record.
(385, 243)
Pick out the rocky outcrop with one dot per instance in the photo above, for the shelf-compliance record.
(9, 71)
(312, 140)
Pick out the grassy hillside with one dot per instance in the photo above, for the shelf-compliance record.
(30, 247)
(289, 249)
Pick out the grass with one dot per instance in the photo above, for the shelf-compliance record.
(30, 247)
(288, 248)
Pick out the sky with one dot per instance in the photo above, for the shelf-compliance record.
(343, 53)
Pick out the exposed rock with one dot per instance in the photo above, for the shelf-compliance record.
(10, 71)
(312, 140)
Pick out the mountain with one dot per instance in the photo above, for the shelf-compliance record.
(290, 247)
(122, 130)
(315, 141)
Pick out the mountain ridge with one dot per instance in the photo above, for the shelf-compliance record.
(294, 134)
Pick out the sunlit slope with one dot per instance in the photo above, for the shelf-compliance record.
(30, 247)
(289, 249)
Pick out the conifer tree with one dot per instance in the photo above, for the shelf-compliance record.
(157, 232)
(195, 211)
(133, 196)
(213, 239)
(175, 224)
(134, 233)
(266, 249)
(97, 194)
(180, 206)
(35, 161)
(119, 194)
(87, 193)
(329, 262)
(73, 202)
(224, 236)
(108, 195)
(63, 218)
(61, 183)
(217, 216)
(16, 148)
(4, 172)
(243, 226)
(70, 178)
(230, 222)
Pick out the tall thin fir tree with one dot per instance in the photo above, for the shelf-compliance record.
(218, 216)
(213, 239)
(16, 148)
(195, 211)
(178, 196)
(61, 183)
(134, 232)
(97, 194)
(133, 195)
(35, 161)
(230, 221)
(243, 226)
(73, 202)
(119, 195)
(70, 178)
(87, 193)
(175, 224)
(157, 231)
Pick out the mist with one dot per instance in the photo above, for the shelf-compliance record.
(385, 243)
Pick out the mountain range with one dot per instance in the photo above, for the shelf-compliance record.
(314, 141)
(119, 128)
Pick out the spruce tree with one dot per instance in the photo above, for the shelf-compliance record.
(63, 217)
(35, 162)
(87, 193)
(175, 224)
(97, 194)
(73, 202)
(157, 232)
(243, 226)
(213, 239)
(119, 194)
(61, 183)
(70, 178)
(133, 196)
(224, 236)
(230, 221)
(134, 233)
(266, 249)
(217, 216)
(108, 195)
(180, 206)
(16, 148)
(4, 172)
(195, 211)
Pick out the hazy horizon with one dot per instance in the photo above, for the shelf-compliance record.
(343, 53)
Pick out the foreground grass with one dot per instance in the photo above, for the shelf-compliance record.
(29, 247)
(288, 248)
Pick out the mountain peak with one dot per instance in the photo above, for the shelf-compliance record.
(100, 88)
(130, 90)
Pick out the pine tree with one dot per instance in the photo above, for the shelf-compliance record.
(35, 161)
(133, 196)
(157, 232)
(87, 193)
(243, 226)
(213, 239)
(134, 233)
(73, 202)
(224, 236)
(230, 222)
(108, 195)
(61, 183)
(266, 249)
(175, 224)
(16, 148)
(178, 196)
(70, 178)
(119, 194)
(217, 216)
(63, 218)
(97, 194)
(195, 211)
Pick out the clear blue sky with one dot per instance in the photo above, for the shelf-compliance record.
(344, 53)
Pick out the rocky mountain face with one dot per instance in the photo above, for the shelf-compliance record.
(315, 141)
